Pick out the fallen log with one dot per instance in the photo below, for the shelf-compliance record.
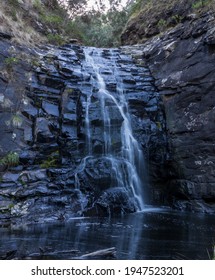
(109, 253)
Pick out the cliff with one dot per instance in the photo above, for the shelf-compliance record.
(182, 60)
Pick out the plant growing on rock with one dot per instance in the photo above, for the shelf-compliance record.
(50, 162)
(17, 120)
(10, 62)
(10, 160)
(200, 4)
(55, 39)
(162, 24)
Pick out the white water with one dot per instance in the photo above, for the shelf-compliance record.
(126, 163)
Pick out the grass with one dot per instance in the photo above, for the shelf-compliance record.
(21, 24)
(18, 27)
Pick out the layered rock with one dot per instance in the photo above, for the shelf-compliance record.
(57, 178)
(182, 62)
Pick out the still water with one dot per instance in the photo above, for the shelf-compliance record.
(152, 234)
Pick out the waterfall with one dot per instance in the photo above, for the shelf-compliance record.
(120, 148)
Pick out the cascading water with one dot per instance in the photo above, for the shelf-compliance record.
(119, 146)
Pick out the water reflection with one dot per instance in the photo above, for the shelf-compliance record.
(147, 235)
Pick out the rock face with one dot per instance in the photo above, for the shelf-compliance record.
(182, 62)
(59, 133)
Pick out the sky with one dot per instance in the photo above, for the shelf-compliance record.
(92, 2)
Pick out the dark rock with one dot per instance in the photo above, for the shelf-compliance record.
(42, 131)
(6, 35)
(183, 68)
(30, 112)
(50, 109)
(115, 201)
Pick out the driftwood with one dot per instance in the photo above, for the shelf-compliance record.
(109, 253)
(105, 254)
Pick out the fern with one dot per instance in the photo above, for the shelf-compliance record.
(10, 160)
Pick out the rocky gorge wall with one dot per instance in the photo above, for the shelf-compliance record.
(47, 173)
(182, 61)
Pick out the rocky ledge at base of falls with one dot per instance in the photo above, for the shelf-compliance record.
(182, 62)
(77, 151)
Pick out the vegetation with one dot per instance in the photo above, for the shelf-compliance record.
(56, 21)
(10, 160)
(152, 17)
(200, 4)
(10, 62)
(17, 120)
(101, 30)
(51, 161)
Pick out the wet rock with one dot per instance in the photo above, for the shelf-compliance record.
(50, 109)
(42, 131)
(27, 157)
(33, 176)
(30, 112)
(56, 135)
(21, 208)
(182, 63)
(112, 202)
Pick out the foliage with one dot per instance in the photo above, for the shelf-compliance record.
(199, 4)
(101, 30)
(177, 18)
(9, 63)
(55, 39)
(162, 23)
(50, 162)
(10, 160)
(17, 120)
(11, 60)
(14, 3)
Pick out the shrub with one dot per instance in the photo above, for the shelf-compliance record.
(50, 162)
(11, 60)
(199, 4)
(55, 39)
